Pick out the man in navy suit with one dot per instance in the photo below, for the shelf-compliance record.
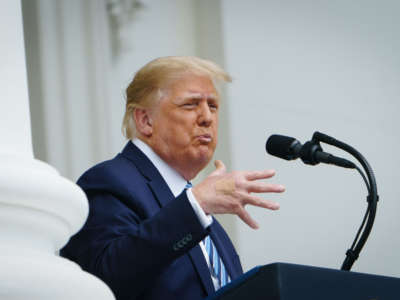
(150, 234)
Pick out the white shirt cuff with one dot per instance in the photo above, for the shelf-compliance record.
(205, 220)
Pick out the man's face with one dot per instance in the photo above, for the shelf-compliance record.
(185, 125)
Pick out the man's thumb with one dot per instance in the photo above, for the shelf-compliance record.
(220, 168)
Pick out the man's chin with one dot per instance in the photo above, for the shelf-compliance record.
(203, 159)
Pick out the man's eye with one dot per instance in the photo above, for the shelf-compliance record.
(189, 105)
(213, 106)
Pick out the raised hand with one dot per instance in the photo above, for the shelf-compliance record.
(229, 193)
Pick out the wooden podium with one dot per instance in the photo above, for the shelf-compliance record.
(282, 281)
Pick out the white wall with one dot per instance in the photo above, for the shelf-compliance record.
(331, 66)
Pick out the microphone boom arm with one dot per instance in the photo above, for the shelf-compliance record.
(353, 253)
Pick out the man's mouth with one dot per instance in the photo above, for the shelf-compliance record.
(205, 138)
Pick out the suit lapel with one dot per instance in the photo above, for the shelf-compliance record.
(156, 182)
(161, 191)
(197, 257)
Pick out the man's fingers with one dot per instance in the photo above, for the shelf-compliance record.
(254, 175)
(245, 216)
(263, 187)
(257, 201)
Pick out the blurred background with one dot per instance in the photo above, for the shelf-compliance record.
(298, 67)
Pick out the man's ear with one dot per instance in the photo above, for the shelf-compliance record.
(143, 121)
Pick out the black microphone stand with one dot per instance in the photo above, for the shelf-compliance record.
(372, 198)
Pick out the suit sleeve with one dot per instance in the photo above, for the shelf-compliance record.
(125, 251)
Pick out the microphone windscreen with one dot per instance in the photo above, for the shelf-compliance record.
(280, 146)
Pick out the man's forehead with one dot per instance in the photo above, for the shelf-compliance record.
(200, 95)
(191, 86)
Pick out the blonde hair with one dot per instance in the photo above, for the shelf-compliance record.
(147, 85)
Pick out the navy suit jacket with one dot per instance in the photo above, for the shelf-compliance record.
(139, 238)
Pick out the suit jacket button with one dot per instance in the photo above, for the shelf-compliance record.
(188, 237)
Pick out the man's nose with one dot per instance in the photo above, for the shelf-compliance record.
(205, 114)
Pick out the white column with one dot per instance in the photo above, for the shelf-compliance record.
(14, 115)
(39, 210)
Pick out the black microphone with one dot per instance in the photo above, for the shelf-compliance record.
(310, 153)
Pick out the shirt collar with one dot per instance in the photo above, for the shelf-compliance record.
(174, 180)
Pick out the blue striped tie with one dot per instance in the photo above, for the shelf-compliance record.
(217, 267)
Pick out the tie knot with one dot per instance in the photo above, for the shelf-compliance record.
(188, 185)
